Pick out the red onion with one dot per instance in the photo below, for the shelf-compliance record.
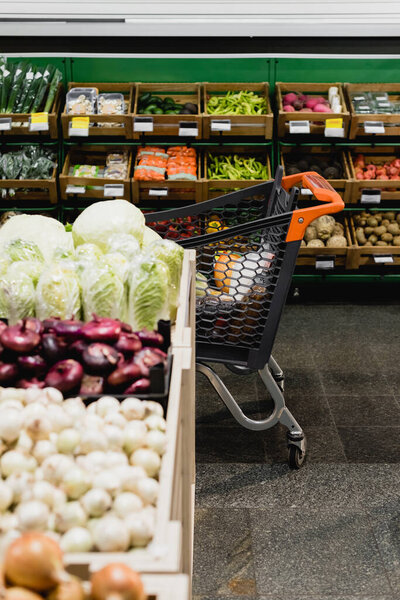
(126, 373)
(54, 348)
(126, 327)
(49, 324)
(101, 330)
(128, 343)
(34, 324)
(76, 349)
(149, 357)
(65, 375)
(150, 338)
(19, 338)
(30, 383)
(100, 359)
(69, 329)
(3, 326)
(91, 385)
(140, 386)
(8, 373)
(34, 364)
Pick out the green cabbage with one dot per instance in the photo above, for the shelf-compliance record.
(3, 266)
(118, 263)
(87, 255)
(101, 220)
(103, 292)
(125, 244)
(32, 268)
(17, 296)
(148, 294)
(22, 250)
(149, 237)
(58, 293)
(172, 255)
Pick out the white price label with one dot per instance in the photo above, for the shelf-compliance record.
(299, 126)
(113, 190)
(188, 129)
(371, 197)
(39, 122)
(158, 192)
(334, 132)
(78, 131)
(383, 258)
(143, 124)
(374, 127)
(306, 192)
(325, 264)
(5, 124)
(75, 189)
(221, 125)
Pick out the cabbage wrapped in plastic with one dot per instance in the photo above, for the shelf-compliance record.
(32, 268)
(125, 244)
(103, 292)
(58, 293)
(17, 296)
(118, 263)
(3, 266)
(149, 237)
(172, 255)
(87, 255)
(19, 249)
(148, 294)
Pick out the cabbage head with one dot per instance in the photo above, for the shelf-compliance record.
(149, 237)
(118, 264)
(58, 293)
(172, 255)
(17, 296)
(32, 268)
(19, 249)
(148, 294)
(87, 255)
(124, 243)
(103, 292)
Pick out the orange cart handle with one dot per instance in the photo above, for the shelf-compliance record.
(323, 192)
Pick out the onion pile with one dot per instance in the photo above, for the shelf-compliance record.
(86, 476)
(89, 359)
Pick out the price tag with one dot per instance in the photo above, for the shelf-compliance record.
(383, 258)
(158, 192)
(299, 126)
(79, 126)
(324, 263)
(39, 122)
(5, 124)
(188, 129)
(370, 196)
(221, 125)
(143, 124)
(76, 189)
(374, 127)
(113, 190)
(334, 128)
(306, 192)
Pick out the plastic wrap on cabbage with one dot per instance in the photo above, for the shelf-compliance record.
(149, 237)
(18, 249)
(148, 294)
(118, 264)
(125, 244)
(101, 220)
(103, 292)
(17, 296)
(172, 255)
(87, 255)
(3, 266)
(58, 293)
(32, 268)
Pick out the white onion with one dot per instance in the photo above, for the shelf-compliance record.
(75, 482)
(59, 498)
(43, 449)
(55, 467)
(38, 426)
(92, 524)
(93, 462)
(147, 488)
(36, 409)
(68, 440)
(24, 442)
(156, 440)
(13, 394)
(107, 480)
(96, 502)
(77, 539)
(43, 491)
(74, 407)
(58, 417)
(115, 418)
(132, 408)
(129, 476)
(12, 403)
(149, 514)
(8, 521)
(6, 496)
(111, 535)
(33, 395)
(51, 522)
(139, 528)
(156, 422)
(19, 483)
(91, 440)
(70, 515)
(53, 535)
(107, 404)
(153, 408)
(115, 459)
(32, 515)
(127, 503)
(148, 459)
(10, 424)
(134, 435)
(14, 461)
(91, 409)
(38, 474)
(91, 421)
(115, 436)
(53, 395)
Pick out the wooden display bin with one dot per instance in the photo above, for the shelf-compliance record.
(93, 155)
(260, 125)
(343, 185)
(166, 587)
(387, 190)
(391, 122)
(309, 257)
(42, 189)
(169, 125)
(361, 256)
(20, 121)
(217, 187)
(124, 121)
(177, 190)
(317, 120)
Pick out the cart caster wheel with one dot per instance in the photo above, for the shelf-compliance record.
(237, 370)
(296, 457)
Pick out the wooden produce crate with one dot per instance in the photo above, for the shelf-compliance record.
(391, 122)
(217, 187)
(169, 125)
(170, 551)
(42, 189)
(180, 190)
(124, 121)
(93, 155)
(260, 125)
(361, 256)
(310, 257)
(317, 120)
(343, 185)
(386, 190)
(20, 121)
(167, 587)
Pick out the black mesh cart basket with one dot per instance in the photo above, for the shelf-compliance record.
(246, 248)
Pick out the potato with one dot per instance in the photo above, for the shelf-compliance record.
(364, 214)
(390, 215)
(363, 222)
(310, 234)
(338, 229)
(373, 239)
(385, 222)
(378, 218)
(380, 230)
(360, 235)
(337, 241)
(386, 237)
(324, 226)
(396, 240)
(398, 217)
(316, 244)
(303, 244)
(381, 243)
(368, 230)
(372, 222)
(394, 228)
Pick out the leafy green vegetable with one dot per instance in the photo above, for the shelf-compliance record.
(103, 292)
(58, 293)
(31, 268)
(148, 294)
(28, 81)
(57, 77)
(172, 255)
(23, 250)
(15, 86)
(149, 237)
(44, 84)
(8, 74)
(125, 244)
(17, 296)
(118, 264)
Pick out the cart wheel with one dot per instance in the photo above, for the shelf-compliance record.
(296, 457)
(237, 370)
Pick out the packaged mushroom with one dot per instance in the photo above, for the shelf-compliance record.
(377, 228)
(82, 101)
(324, 232)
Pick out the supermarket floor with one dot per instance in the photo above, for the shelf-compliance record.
(330, 531)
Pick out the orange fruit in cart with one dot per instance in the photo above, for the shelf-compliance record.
(226, 269)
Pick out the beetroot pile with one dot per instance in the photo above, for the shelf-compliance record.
(103, 355)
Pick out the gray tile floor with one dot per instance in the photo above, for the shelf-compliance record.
(330, 531)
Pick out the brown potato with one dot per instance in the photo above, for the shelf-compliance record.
(368, 230)
(380, 230)
(372, 222)
(381, 243)
(387, 237)
(378, 217)
(385, 222)
(396, 240)
(398, 217)
(390, 215)
(360, 235)
(373, 239)
(394, 228)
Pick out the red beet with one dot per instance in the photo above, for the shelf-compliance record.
(65, 375)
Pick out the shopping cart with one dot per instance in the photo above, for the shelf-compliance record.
(247, 243)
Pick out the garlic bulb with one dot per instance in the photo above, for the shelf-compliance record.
(68, 440)
(91, 421)
(107, 480)
(75, 408)
(77, 539)
(12, 394)
(115, 436)
(70, 515)
(129, 476)
(11, 403)
(111, 535)
(43, 449)
(127, 503)
(33, 395)
(107, 404)
(134, 436)
(91, 440)
(147, 488)
(96, 502)
(6, 496)
(55, 467)
(132, 408)
(156, 440)
(10, 424)
(148, 459)
(75, 482)
(93, 462)
(92, 524)
(32, 515)
(8, 521)
(140, 530)
(14, 461)
(59, 498)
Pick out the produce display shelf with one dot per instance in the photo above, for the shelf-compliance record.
(388, 190)
(391, 122)
(361, 256)
(237, 125)
(42, 189)
(166, 587)
(338, 257)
